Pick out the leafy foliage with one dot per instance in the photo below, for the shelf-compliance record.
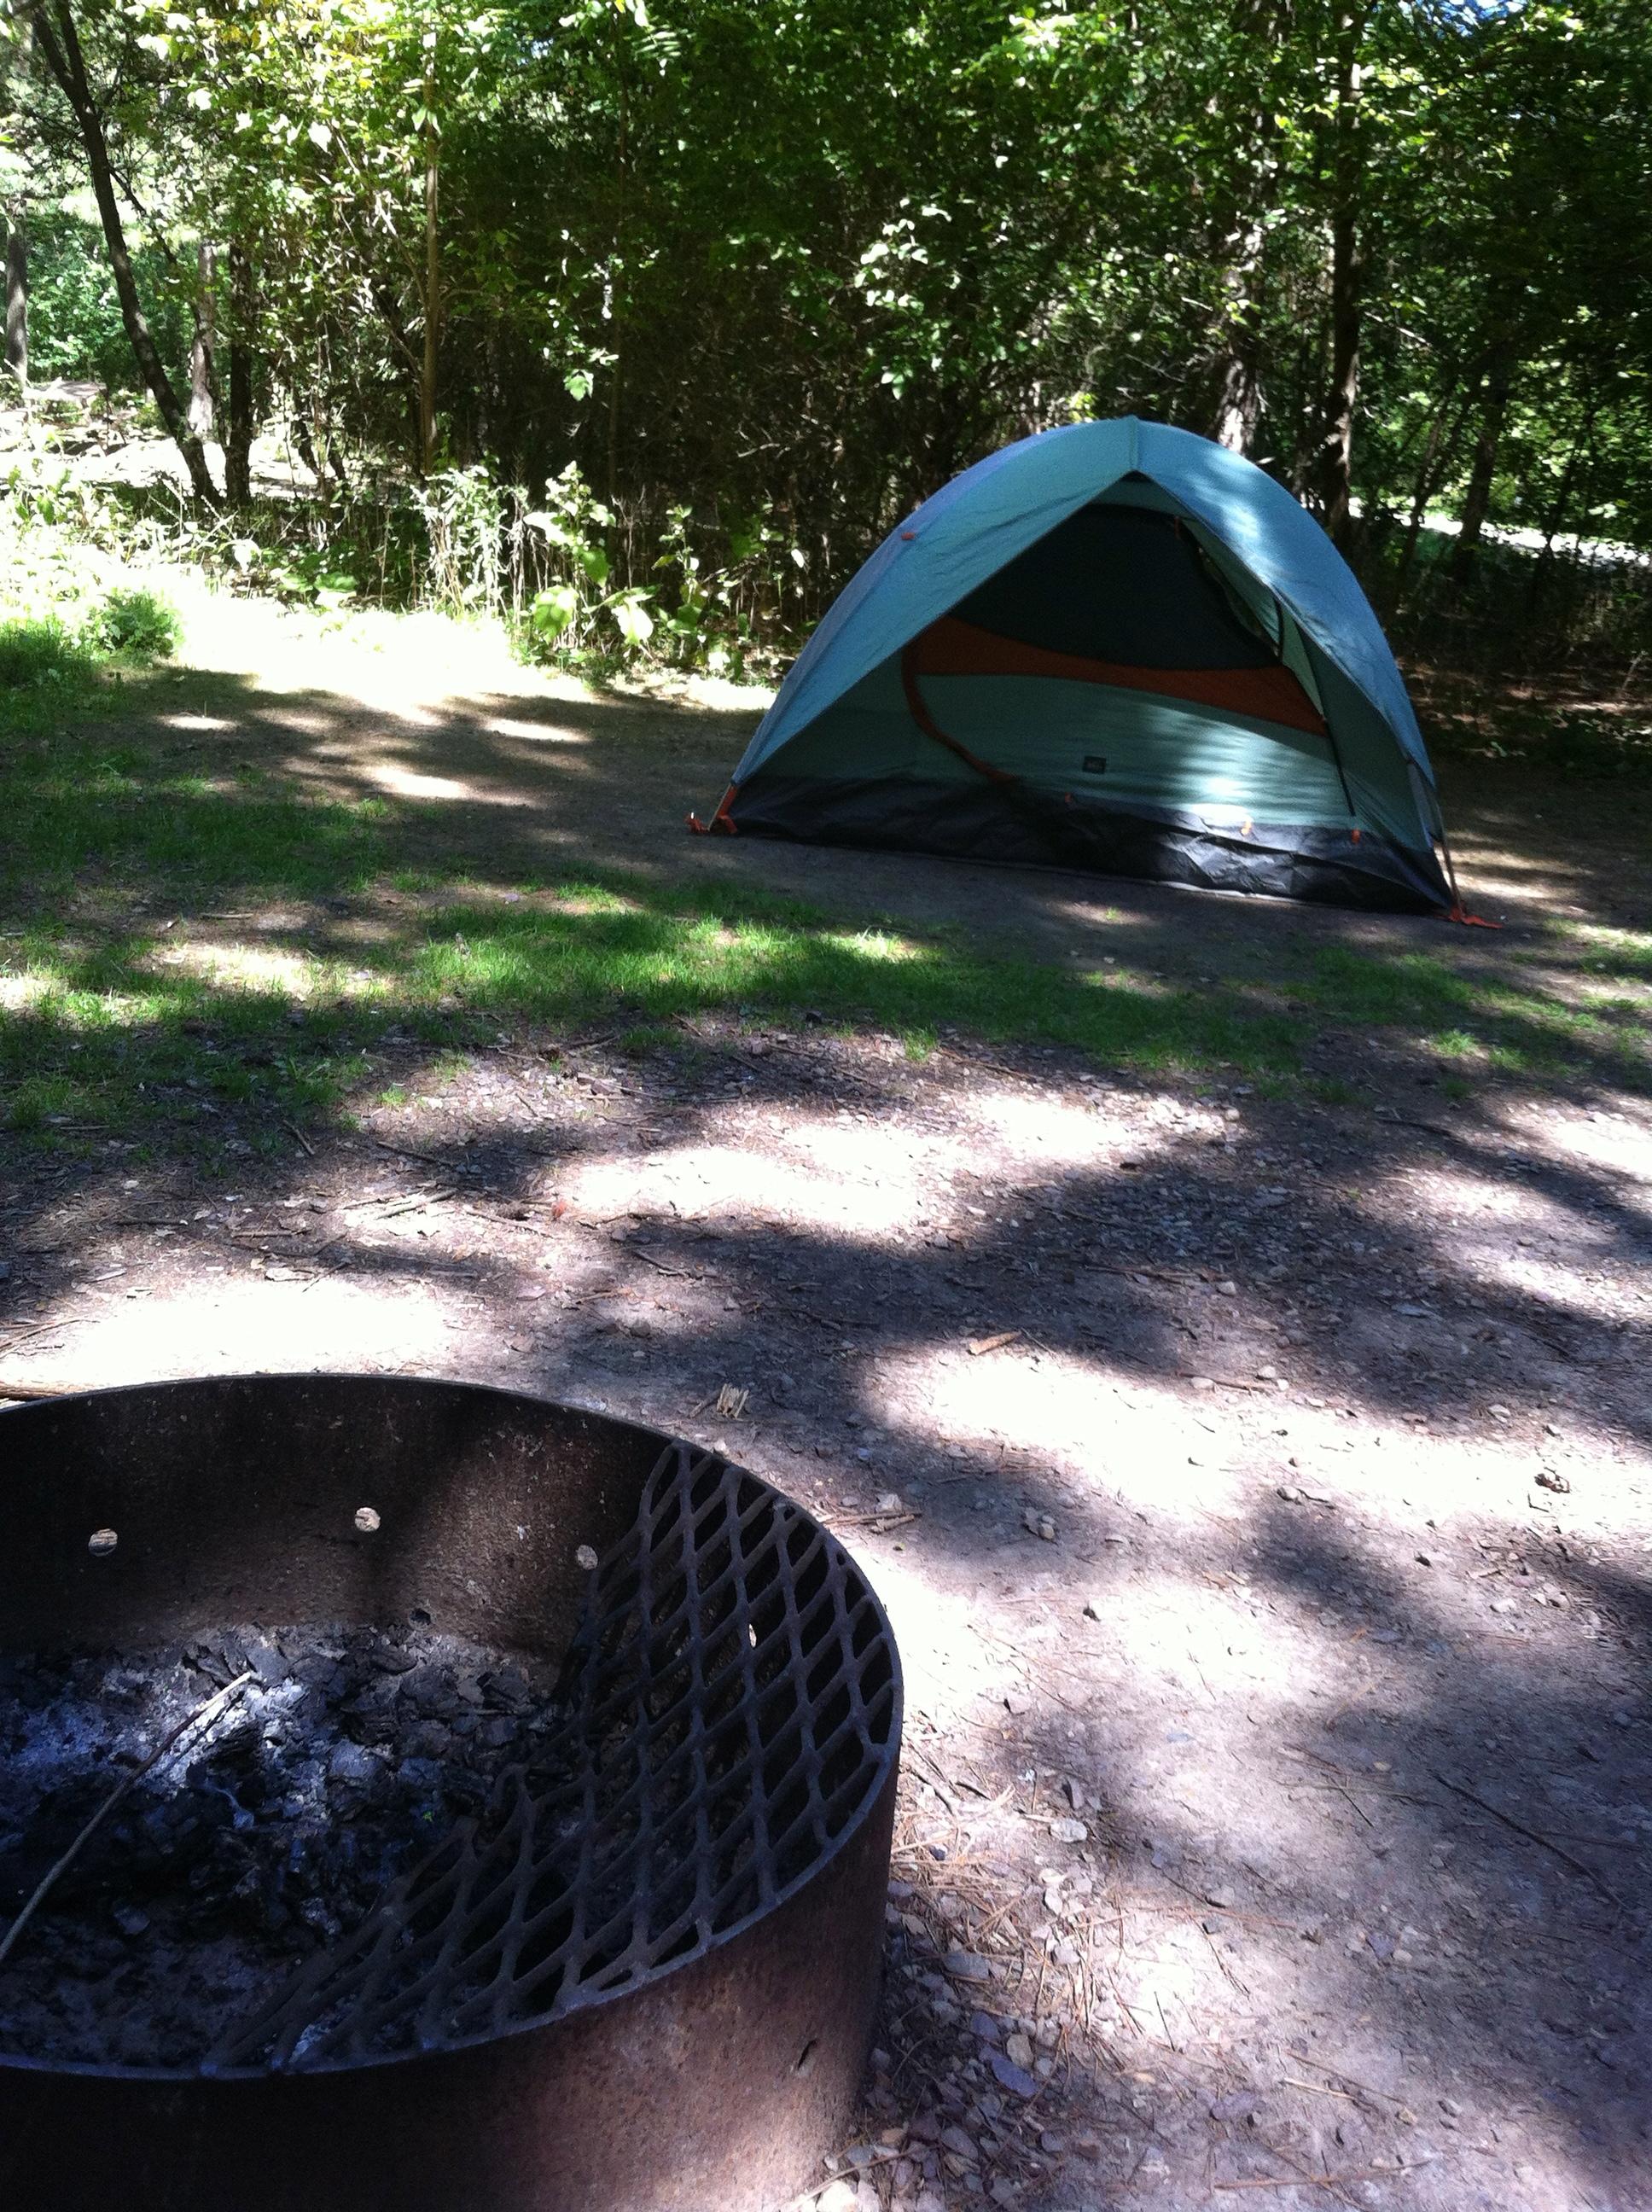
(740, 280)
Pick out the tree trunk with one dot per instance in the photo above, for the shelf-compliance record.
(1427, 483)
(1584, 442)
(238, 439)
(60, 42)
(1477, 501)
(1336, 443)
(202, 353)
(1238, 405)
(432, 269)
(1265, 26)
(17, 341)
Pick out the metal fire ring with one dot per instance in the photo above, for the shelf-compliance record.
(647, 1987)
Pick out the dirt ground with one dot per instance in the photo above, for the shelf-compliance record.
(1259, 1488)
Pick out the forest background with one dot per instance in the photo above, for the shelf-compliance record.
(638, 322)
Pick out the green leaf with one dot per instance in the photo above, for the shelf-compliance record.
(553, 610)
(632, 618)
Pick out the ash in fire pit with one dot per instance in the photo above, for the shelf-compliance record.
(267, 1833)
(541, 1869)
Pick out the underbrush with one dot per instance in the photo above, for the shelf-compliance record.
(579, 584)
(68, 609)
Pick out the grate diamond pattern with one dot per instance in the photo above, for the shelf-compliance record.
(733, 1703)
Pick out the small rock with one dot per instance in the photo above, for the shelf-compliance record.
(1549, 1478)
(983, 2025)
(1016, 2079)
(969, 1966)
(131, 1920)
(1017, 2049)
(1290, 1493)
(961, 2145)
(350, 1762)
(585, 1557)
(1069, 1832)
(1092, 1609)
(890, 1503)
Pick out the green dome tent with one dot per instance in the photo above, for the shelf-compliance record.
(1115, 647)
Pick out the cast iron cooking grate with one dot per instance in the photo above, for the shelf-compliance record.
(729, 1700)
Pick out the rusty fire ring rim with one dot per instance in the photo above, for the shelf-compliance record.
(883, 1755)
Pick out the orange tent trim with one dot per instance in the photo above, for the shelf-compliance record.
(952, 648)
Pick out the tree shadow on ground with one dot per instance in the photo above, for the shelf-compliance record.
(1383, 1753)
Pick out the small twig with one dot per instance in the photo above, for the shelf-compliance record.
(21, 1391)
(1318, 2089)
(1582, 1866)
(685, 1275)
(43, 1888)
(1376, 2096)
(406, 1152)
(1302, 2180)
(41, 1328)
(299, 1137)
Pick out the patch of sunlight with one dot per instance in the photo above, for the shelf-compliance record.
(1049, 1132)
(19, 993)
(1619, 952)
(834, 1181)
(1073, 1414)
(409, 783)
(535, 733)
(206, 724)
(947, 1662)
(266, 967)
(861, 944)
(93, 1010)
(241, 1323)
(592, 898)
(1126, 979)
(1618, 1141)
(292, 721)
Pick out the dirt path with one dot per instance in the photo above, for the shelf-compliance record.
(1259, 1488)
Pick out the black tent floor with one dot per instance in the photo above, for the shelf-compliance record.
(1010, 824)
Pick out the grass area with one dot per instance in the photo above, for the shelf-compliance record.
(135, 999)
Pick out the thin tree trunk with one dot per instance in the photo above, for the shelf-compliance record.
(1422, 490)
(1265, 27)
(238, 439)
(616, 372)
(17, 339)
(1238, 375)
(202, 353)
(1581, 444)
(60, 42)
(1477, 500)
(1337, 447)
(432, 270)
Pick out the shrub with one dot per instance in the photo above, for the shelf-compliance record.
(135, 625)
(39, 649)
